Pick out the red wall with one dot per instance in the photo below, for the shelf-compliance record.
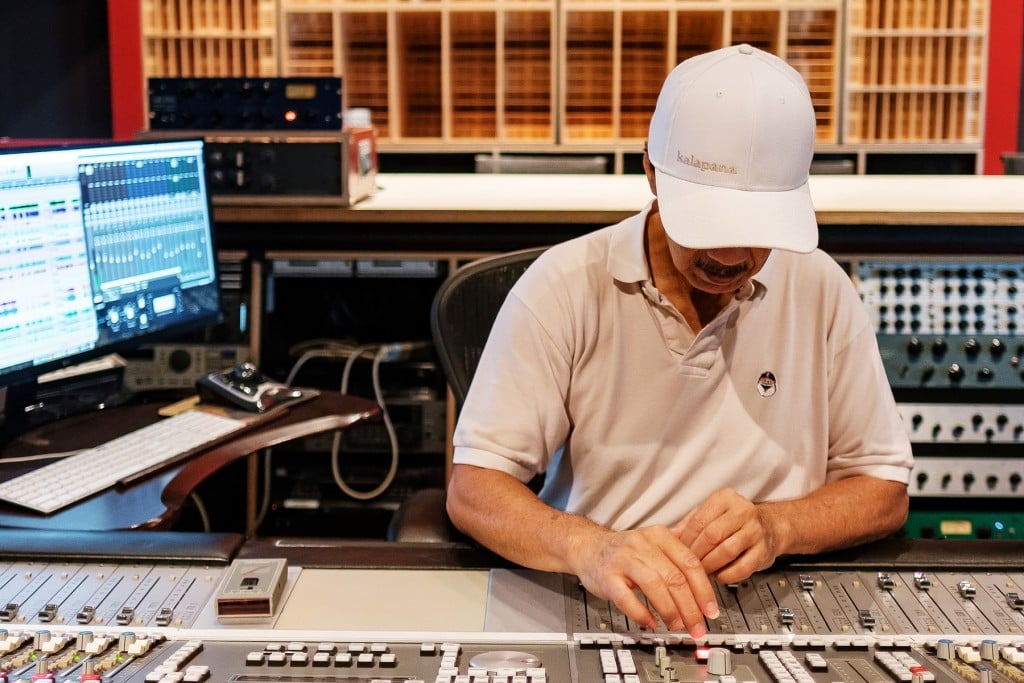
(127, 92)
(1003, 90)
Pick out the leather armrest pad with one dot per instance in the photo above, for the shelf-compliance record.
(421, 518)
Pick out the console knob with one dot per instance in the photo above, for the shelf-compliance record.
(719, 662)
(971, 347)
(997, 347)
(179, 360)
(914, 346)
(956, 373)
(939, 346)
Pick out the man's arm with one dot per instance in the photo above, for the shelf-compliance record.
(504, 515)
(735, 538)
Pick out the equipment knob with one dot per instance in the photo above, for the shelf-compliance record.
(939, 346)
(955, 372)
(944, 649)
(83, 639)
(719, 662)
(968, 481)
(922, 477)
(985, 374)
(972, 347)
(914, 346)
(984, 674)
(179, 360)
(126, 640)
(991, 481)
(997, 347)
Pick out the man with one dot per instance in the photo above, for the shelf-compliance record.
(701, 387)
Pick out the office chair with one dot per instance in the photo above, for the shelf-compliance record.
(461, 317)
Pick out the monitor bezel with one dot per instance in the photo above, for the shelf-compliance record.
(31, 374)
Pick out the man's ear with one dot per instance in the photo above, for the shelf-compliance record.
(649, 172)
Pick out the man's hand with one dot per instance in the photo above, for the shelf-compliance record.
(612, 565)
(732, 537)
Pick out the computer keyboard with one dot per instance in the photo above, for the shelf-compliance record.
(61, 483)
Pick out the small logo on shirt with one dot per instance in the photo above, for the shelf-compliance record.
(766, 384)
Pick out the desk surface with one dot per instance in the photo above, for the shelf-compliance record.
(602, 199)
(155, 501)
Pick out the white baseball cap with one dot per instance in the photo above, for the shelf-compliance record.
(731, 142)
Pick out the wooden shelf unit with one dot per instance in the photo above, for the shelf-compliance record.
(582, 76)
(433, 72)
(617, 53)
(915, 71)
(209, 37)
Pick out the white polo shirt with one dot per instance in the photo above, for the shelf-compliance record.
(783, 391)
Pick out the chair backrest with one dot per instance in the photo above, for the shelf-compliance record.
(464, 310)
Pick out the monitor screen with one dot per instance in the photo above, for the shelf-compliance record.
(102, 247)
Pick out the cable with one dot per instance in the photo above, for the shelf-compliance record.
(201, 509)
(378, 357)
(318, 348)
(322, 348)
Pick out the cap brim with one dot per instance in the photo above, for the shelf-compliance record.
(706, 217)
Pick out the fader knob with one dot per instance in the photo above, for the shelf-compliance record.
(719, 662)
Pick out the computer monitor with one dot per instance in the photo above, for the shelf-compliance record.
(102, 247)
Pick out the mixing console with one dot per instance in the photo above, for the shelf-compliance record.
(949, 331)
(157, 623)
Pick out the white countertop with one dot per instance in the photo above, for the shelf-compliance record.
(877, 199)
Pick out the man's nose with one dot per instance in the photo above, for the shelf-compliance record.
(729, 256)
